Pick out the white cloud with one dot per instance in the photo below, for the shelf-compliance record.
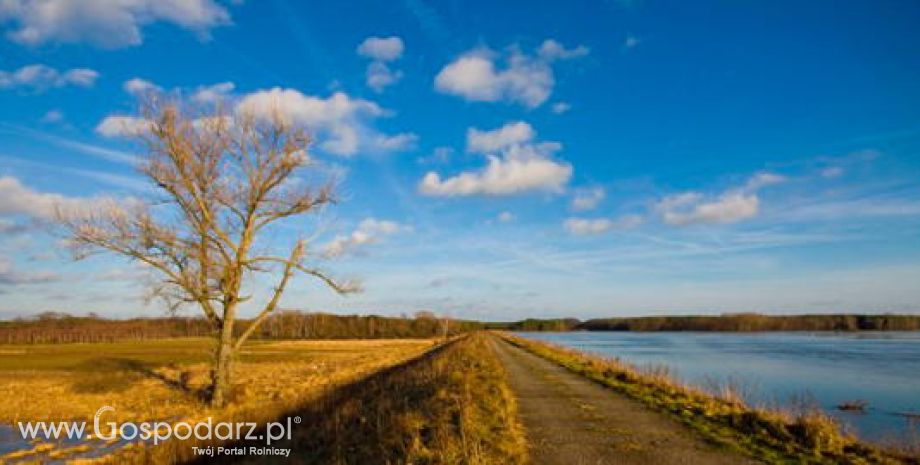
(561, 107)
(525, 79)
(206, 94)
(733, 205)
(588, 198)
(138, 87)
(39, 78)
(104, 23)
(594, 226)
(551, 50)
(478, 141)
(122, 126)
(17, 199)
(342, 124)
(380, 76)
(213, 93)
(501, 177)
(381, 48)
(515, 164)
(691, 208)
(764, 179)
(368, 232)
(337, 117)
(505, 217)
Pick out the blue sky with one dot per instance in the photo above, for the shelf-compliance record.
(502, 159)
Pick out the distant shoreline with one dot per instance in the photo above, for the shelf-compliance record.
(737, 323)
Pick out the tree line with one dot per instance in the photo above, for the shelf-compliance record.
(58, 328)
(740, 322)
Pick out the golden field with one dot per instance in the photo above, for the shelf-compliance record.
(161, 380)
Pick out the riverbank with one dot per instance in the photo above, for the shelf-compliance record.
(773, 436)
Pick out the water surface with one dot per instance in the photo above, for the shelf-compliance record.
(785, 367)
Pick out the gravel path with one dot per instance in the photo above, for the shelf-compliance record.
(570, 420)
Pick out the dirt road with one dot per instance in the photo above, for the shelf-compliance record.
(570, 420)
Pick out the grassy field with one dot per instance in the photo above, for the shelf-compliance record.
(162, 380)
(770, 435)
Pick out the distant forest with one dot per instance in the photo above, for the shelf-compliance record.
(744, 322)
(54, 327)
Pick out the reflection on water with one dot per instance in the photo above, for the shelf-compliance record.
(774, 368)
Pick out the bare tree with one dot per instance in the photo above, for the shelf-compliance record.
(223, 178)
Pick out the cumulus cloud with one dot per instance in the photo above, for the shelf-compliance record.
(138, 87)
(369, 231)
(339, 119)
(341, 124)
(526, 79)
(122, 126)
(381, 50)
(733, 205)
(104, 23)
(588, 198)
(594, 226)
(38, 78)
(516, 163)
(501, 177)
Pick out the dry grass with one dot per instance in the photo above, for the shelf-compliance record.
(800, 435)
(452, 406)
(159, 380)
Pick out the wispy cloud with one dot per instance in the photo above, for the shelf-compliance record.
(39, 78)
(116, 156)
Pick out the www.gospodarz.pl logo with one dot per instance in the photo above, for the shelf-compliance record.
(159, 431)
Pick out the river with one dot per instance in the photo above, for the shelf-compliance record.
(786, 368)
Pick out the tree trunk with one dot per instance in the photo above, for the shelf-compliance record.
(223, 366)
